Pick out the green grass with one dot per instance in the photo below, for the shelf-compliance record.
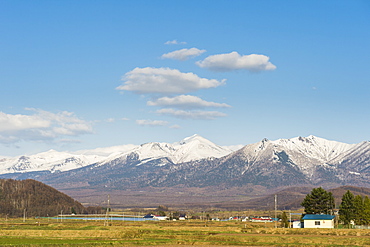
(52, 242)
(35, 233)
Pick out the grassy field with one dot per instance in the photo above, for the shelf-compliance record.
(43, 232)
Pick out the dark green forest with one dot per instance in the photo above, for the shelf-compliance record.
(33, 198)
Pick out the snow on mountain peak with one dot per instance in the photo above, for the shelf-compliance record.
(154, 150)
(300, 149)
(197, 147)
(314, 147)
(190, 148)
(192, 138)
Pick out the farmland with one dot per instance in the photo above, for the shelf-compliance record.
(51, 232)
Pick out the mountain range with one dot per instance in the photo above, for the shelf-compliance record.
(188, 149)
(196, 162)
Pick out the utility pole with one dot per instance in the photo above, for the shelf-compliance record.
(275, 211)
(106, 223)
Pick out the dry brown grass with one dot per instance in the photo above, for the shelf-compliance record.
(94, 233)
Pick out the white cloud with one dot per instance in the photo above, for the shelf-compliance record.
(18, 122)
(175, 126)
(110, 120)
(152, 122)
(41, 125)
(198, 115)
(235, 61)
(183, 54)
(164, 81)
(175, 42)
(185, 101)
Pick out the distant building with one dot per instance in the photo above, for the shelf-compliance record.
(297, 224)
(262, 219)
(160, 217)
(318, 221)
(234, 218)
(157, 217)
(183, 217)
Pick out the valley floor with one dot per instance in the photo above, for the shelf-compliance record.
(179, 198)
(47, 232)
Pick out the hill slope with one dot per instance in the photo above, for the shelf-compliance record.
(35, 199)
(290, 198)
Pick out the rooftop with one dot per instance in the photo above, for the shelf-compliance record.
(318, 217)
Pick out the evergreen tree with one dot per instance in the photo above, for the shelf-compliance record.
(284, 220)
(331, 202)
(346, 208)
(319, 201)
(366, 216)
(358, 206)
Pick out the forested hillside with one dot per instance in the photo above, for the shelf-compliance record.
(35, 199)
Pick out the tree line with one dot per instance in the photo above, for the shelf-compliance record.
(352, 208)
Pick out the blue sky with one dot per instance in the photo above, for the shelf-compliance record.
(85, 74)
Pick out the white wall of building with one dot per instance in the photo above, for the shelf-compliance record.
(319, 223)
(296, 224)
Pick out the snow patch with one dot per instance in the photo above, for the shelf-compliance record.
(355, 173)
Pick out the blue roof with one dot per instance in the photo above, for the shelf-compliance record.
(318, 217)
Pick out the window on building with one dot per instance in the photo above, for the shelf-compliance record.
(317, 223)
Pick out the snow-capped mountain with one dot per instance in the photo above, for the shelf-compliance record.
(50, 161)
(190, 148)
(197, 162)
(314, 147)
(285, 162)
(196, 147)
(354, 164)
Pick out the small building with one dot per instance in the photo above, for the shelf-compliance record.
(262, 219)
(183, 217)
(157, 217)
(297, 224)
(244, 219)
(234, 218)
(160, 217)
(318, 221)
(149, 216)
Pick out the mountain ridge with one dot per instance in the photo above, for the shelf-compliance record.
(182, 151)
(195, 162)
